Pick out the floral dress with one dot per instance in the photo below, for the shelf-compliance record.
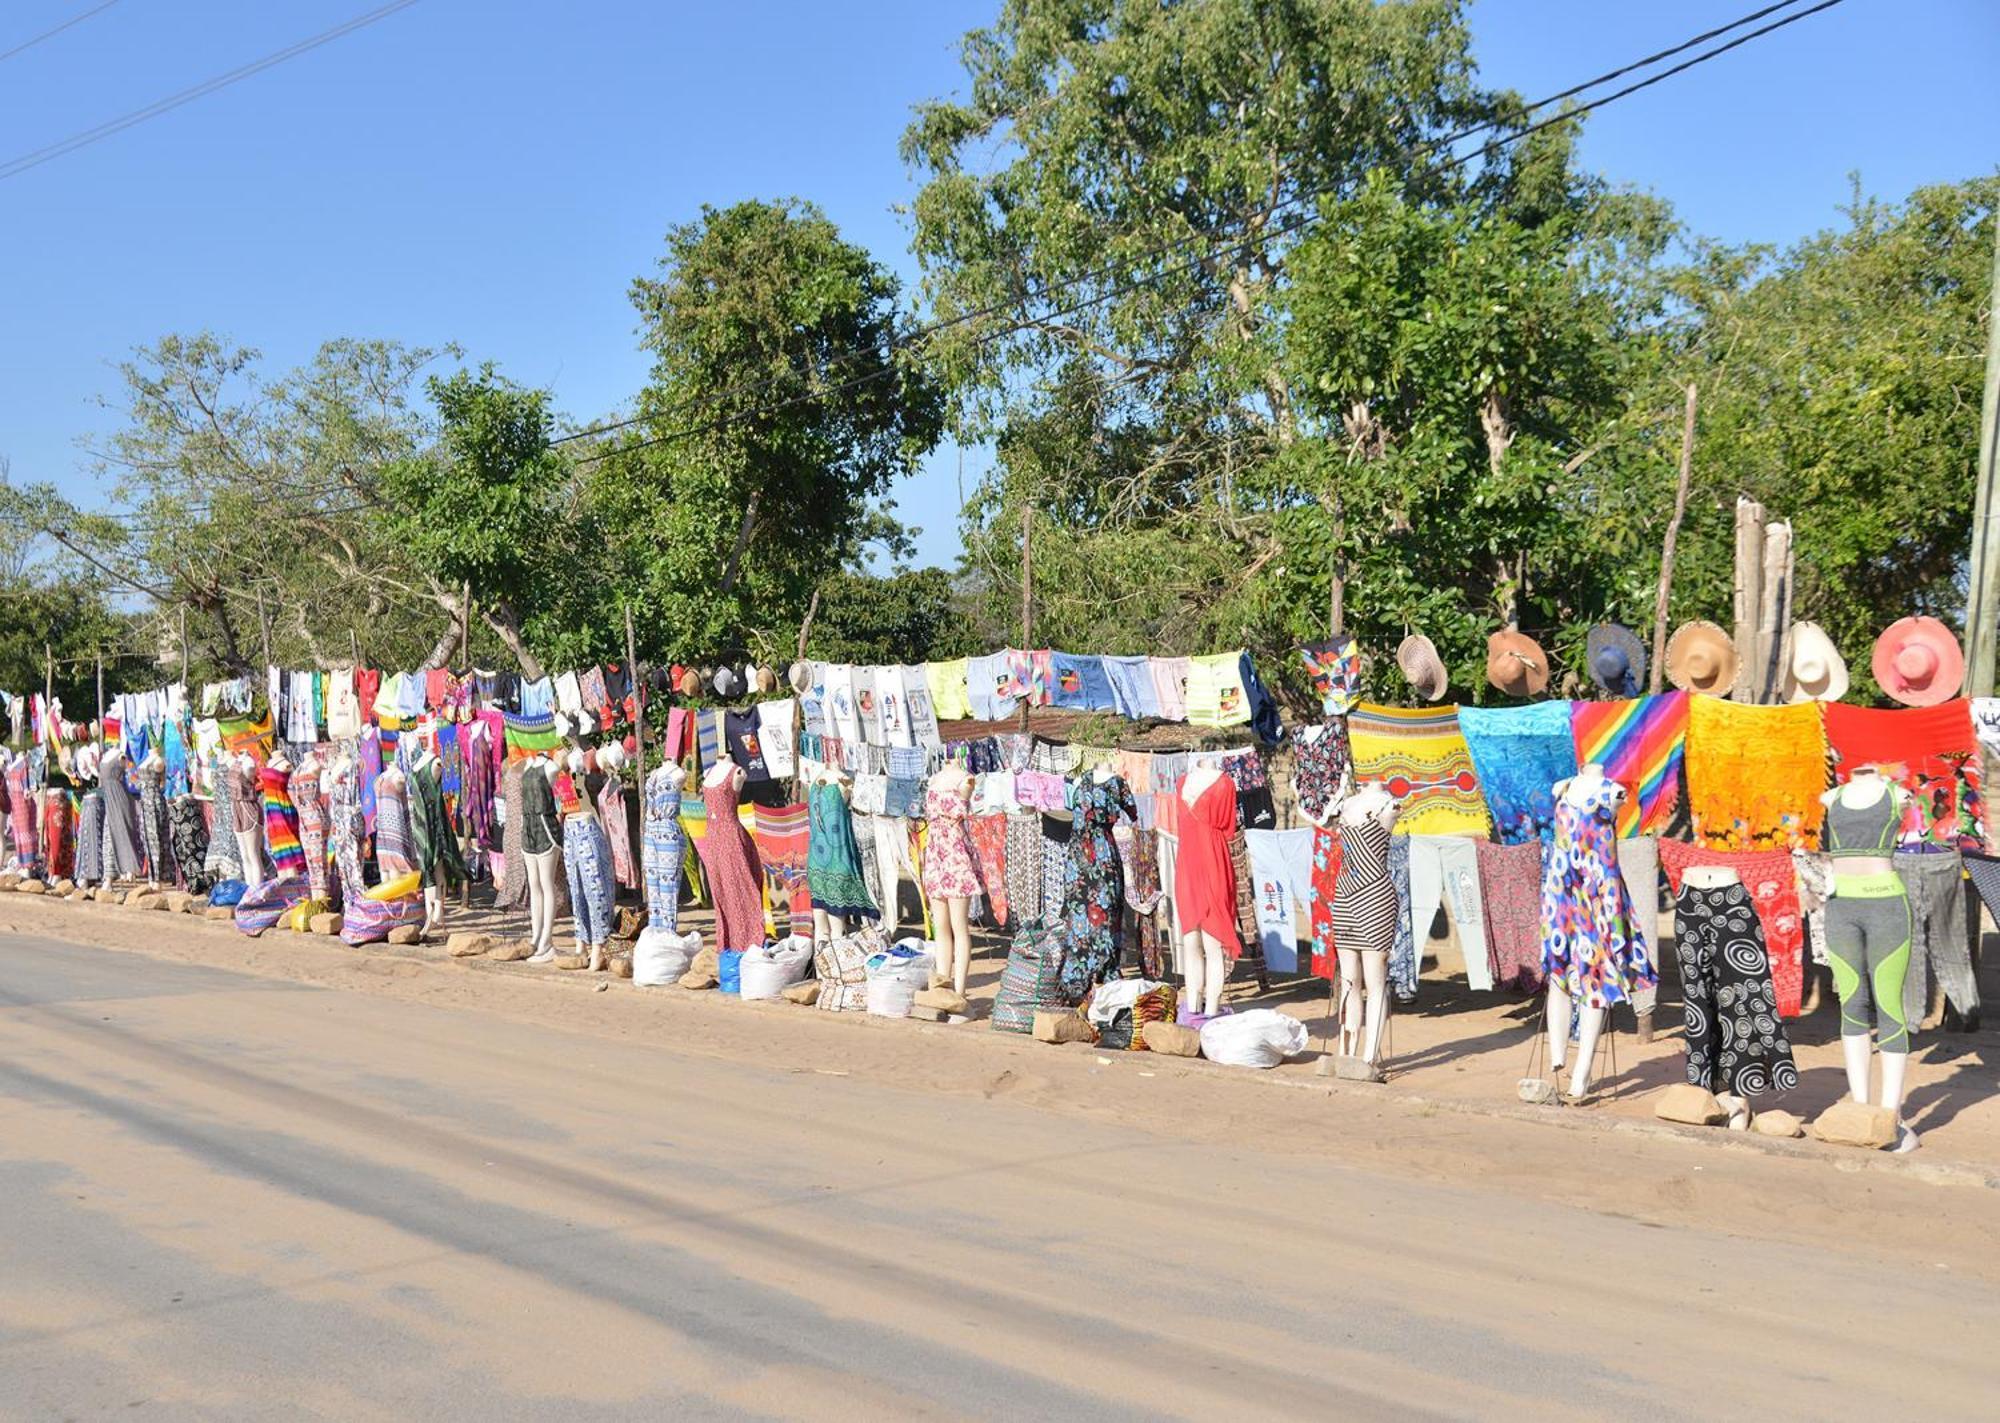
(1094, 898)
(1591, 941)
(949, 872)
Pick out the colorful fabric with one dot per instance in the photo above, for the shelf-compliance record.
(783, 836)
(1334, 669)
(1519, 753)
(988, 834)
(1641, 743)
(1931, 752)
(393, 853)
(281, 823)
(729, 864)
(1325, 878)
(1093, 907)
(1735, 1039)
(310, 804)
(1215, 692)
(1029, 980)
(833, 858)
(1420, 757)
(949, 870)
(1591, 939)
(1510, 897)
(617, 832)
(1773, 886)
(58, 850)
(947, 686)
(1320, 757)
(1755, 774)
(587, 864)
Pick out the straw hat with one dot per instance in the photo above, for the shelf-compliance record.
(1422, 667)
(766, 681)
(1617, 659)
(1814, 670)
(689, 684)
(1701, 658)
(1516, 664)
(1918, 662)
(801, 678)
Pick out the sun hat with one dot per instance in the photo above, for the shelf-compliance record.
(801, 678)
(689, 684)
(1814, 669)
(1918, 662)
(1421, 666)
(1516, 664)
(1617, 659)
(766, 681)
(1701, 658)
(727, 683)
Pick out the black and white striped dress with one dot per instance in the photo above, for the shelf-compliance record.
(1364, 897)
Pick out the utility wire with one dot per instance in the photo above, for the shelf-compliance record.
(937, 328)
(1234, 249)
(39, 156)
(25, 45)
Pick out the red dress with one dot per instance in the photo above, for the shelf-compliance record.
(1204, 876)
(735, 877)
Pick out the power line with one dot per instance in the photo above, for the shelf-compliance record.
(1237, 248)
(25, 45)
(39, 156)
(1050, 289)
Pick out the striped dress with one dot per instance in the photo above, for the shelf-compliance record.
(281, 823)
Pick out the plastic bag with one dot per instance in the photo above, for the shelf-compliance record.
(894, 976)
(729, 971)
(1261, 1037)
(661, 956)
(768, 971)
(227, 892)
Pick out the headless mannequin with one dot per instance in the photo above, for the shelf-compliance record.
(1866, 788)
(1203, 965)
(829, 926)
(1590, 1021)
(154, 765)
(541, 869)
(955, 923)
(433, 892)
(250, 842)
(579, 768)
(85, 775)
(725, 773)
(1364, 975)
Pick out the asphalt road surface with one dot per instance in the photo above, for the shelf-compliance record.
(225, 1196)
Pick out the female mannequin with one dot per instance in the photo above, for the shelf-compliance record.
(393, 857)
(663, 844)
(729, 860)
(950, 880)
(346, 826)
(121, 822)
(152, 776)
(541, 832)
(1365, 915)
(309, 801)
(587, 858)
(833, 860)
(437, 852)
(246, 817)
(1593, 949)
(1868, 934)
(1205, 890)
(90, 846)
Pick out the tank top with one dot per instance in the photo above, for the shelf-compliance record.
(1861, 830)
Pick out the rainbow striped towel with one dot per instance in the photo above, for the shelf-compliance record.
(1640, 743)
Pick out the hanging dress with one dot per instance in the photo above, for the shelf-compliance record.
(1591, 941)
(346, 828)
(281, 823)
(187, 828)
(949, 872)
(393, 857)
(153, 823)
(310, 803)
(90, 838)
(1366, 910)
(617, 831)
(833, 860)
(121, 821)
(1093, 908)
(663, 845)
(1204, 875)
(729, 863)
(436, 846)
(21, 813)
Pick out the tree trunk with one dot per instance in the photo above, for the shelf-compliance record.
(733, 567)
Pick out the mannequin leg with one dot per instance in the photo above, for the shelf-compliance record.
(433, 908)
(541, 905)
(1349, 1037)
(958, 917)
(828, 926)
(1194, 974)
(1856, 1052)
(1589, 1024)
(250, 846)
(1217, 972)
(1375, 975)
(1557, 1023)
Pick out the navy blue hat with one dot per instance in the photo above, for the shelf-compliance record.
(1617, 659)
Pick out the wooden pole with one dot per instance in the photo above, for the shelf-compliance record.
(1749, 594)
(1027, 592)
(264, 631)
(638, 697)
(184, 644)
(1773, 613)
(1667, 544)
(1982, 601)
(100, 694)
(354, 642)
(465, 625)
(48, 676)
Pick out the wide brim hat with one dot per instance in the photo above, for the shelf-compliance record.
(1516, 664)
(766, 681)
(1702, 658)
(1617, 659)
(1421, 666)
(801, 678)
(1814, 669)
(689, 684)
(1918, 662)
(727, 683)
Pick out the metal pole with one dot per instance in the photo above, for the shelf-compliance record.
(1982, 598)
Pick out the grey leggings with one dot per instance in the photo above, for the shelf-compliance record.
(1937, 933)
(1868, 948)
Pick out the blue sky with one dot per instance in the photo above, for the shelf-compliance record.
(494, 172)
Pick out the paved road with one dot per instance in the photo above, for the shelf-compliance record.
(224, 1196)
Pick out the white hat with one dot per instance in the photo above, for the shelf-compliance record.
(1814, 670)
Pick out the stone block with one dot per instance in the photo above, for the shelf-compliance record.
(1850, 1123)
(1171, 1039)
(465, 945)
(806, 993)
(32, 886)
(407, 934)
(509, 951)
(942, 999)
(1690, 1105)
(324, 924)
(1777, 1123)
(1064, 1025)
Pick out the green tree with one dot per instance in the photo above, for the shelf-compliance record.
(912, 616)
(778, 413)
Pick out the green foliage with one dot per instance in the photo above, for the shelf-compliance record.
(915, 616)
(777, 416)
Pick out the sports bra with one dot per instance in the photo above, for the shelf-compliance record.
(1864, 830)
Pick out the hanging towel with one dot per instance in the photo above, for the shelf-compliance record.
(1519, 753)
(842, 718)
(1281, 871)
(1215, 695)
(1334, 669)
(922, 711)
(774, 732)
(1640, 743)
(1755, 774)
(891, 708)
(1773, 885)
(986, 682)
(947, 681)
(1419, 756)
(1132, 690)
(1170, 679)
(1931, 752)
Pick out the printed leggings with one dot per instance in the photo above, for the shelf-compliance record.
(1735, 1041)
(1868, 948)
(661, 855)
(1935, 882)
(587, 859)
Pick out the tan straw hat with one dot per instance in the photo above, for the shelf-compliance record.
(1516, 664)
(1701, 658)
(1814, 670)
(1422, 667)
